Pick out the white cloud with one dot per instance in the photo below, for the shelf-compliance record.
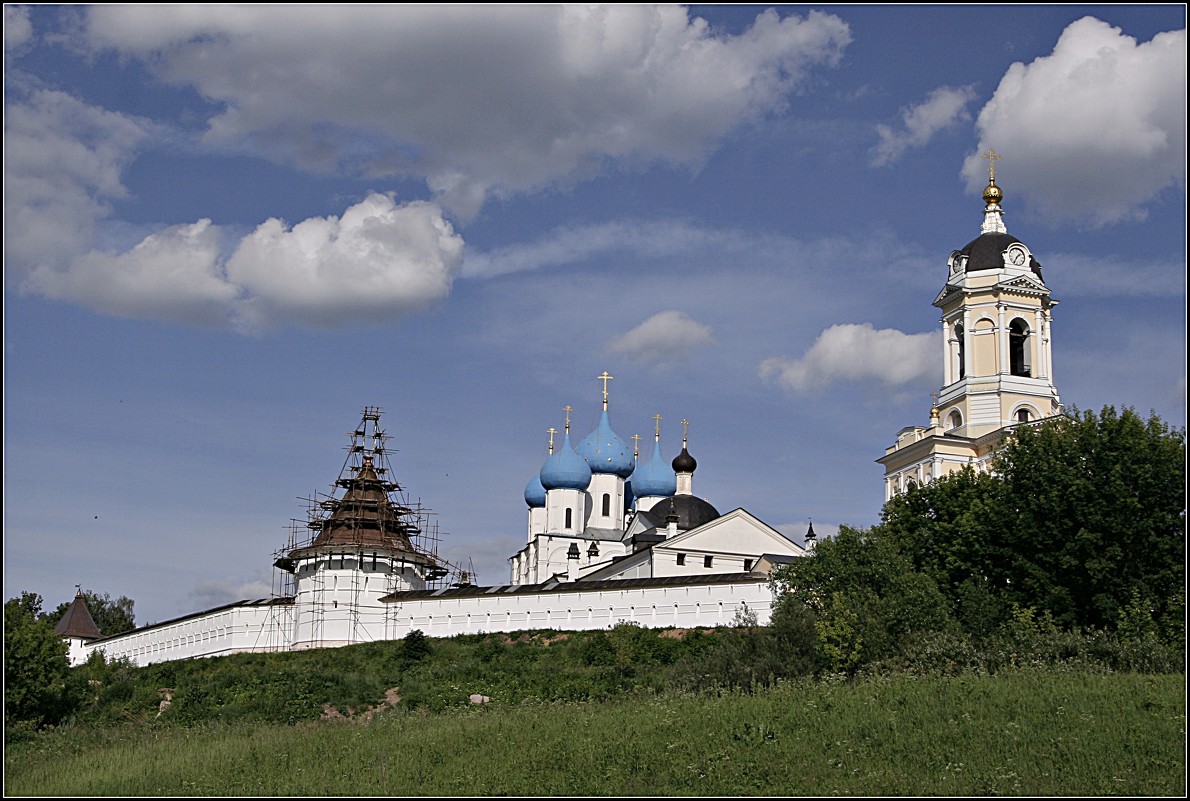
(946, 106)
(63, 161)
(857, 353)
(663, 339)
(1093, 131)
(473, 99)
(173, 275)
(17, 28)
(377, 262)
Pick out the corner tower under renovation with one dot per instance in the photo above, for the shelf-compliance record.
(361, 543)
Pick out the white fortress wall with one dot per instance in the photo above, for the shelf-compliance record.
(245, 626)
(268, 625)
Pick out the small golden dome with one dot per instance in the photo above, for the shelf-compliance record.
(992, 193)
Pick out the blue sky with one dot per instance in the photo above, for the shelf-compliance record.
(228, 229)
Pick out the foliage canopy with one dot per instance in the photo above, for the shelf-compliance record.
(1081, 521)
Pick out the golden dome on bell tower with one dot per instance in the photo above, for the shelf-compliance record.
(992, 193)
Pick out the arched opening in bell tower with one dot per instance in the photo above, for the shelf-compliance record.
(960, 352)
(1018, 348)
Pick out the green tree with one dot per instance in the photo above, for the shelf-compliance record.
(110, 616)
(866, 597)
(950, 530)
(35, 663)
(1081, 516)
(1092, 507)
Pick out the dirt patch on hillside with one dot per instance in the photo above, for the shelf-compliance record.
(332, 712)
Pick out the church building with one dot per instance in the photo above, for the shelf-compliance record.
(996, 355)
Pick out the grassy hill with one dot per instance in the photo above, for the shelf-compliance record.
(626, 712)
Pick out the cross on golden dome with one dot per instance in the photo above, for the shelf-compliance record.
(992, 156)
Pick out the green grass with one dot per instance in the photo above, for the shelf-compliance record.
(1016, 733)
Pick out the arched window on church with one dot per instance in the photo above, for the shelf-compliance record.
(1022, 415)
(569, 518)
(954, 419)
(1018, 348)
(607, 504)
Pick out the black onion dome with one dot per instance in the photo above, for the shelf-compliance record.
(691, 512)
(684, 463)
(986, 252)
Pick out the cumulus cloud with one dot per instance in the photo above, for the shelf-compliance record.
(378, 261)
(857, 353)
(1094, 130)
(946, 106)
(474, 99)
(662, 340)
(63, 162)
(173, 275)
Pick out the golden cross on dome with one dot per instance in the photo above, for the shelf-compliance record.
(992, 158)
(568, 409)
(657, 427)
(685, 426)
(934, 398)
(635, 445)
(552, 431)
(604, 378)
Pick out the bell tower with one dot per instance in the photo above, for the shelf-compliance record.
(997, 366)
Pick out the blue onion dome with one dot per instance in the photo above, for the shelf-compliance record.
(605, 452)
(565, 469)
(535, 493)
(656, 479)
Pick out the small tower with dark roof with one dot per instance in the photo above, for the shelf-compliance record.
(77, 627)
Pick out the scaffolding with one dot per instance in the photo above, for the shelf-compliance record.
(366, 514)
